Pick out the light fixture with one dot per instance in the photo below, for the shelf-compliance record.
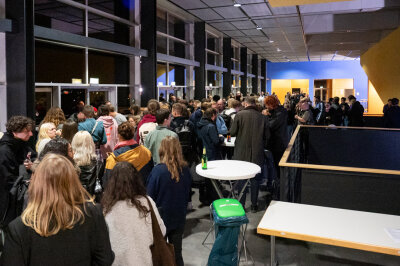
(288, 60)
(173, 83)
(278, 50)
(94, 80)
(271, 41)
(210, 85)
(140, 89)
(236, 4)
(160, 83)
(258, 28)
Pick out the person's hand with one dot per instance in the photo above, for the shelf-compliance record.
(265, 112)
(58, 132)
(28, 164)
(296, 117)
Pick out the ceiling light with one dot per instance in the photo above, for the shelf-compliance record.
(278, 50)
(288, 60)
(236, 4)
(271, 41)
(258, 28)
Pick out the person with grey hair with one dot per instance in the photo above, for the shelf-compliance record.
(251, 130)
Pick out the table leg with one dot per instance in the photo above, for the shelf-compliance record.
(243, 189)
(214, 182)
(273, 261)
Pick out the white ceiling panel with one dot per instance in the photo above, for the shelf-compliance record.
(285, 10)
(260, 39)
(234, 33)
(229, 12)
(223, 26)
(289, 21)
(242, 25)
(257, 10)
(215, 3)
(249, 1)
(291, 30)
(189, 4)
(253, 32)
(266, 23)
(205, 14)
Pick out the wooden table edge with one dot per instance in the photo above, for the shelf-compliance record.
(330, 241)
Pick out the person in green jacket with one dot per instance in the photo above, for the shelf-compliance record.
(154, 138)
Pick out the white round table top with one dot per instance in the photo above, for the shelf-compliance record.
(231, 143)
(229, 170)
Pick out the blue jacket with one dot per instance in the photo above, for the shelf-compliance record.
(99, 134)
(221, 127)
(170, 197)
(208, 135)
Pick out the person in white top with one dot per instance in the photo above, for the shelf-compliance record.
(128, 216)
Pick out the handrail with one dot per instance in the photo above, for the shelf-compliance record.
(284, 160)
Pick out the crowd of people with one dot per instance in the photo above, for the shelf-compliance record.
(93, 178)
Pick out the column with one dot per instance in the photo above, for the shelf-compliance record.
(227, 63)
(20, 59)
(200, 56)
(254, 81)
(263, 74)
(243, 68)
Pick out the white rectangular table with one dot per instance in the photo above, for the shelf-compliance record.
(331, 226)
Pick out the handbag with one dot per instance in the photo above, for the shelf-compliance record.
(162, 253)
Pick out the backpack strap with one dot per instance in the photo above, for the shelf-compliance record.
(95, 125)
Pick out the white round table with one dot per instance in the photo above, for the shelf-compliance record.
(231, 143)
(229, 170)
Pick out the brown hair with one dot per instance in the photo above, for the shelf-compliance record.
(171, 154)
(88, 111)
(18, 123)
(153, 106)
(271, 101)
(126, 130)
(56, 197)
(125, 183)
(69, 130)
(178, 108)
(54, 115)
(205, 106)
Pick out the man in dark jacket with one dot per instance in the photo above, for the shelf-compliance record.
(355, 113)
(14, 149)
(251, 130)
(392, 115)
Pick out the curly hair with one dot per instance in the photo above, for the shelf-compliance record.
(126, 184)
(54, 115)
(271, 101)
(126, 131)
(18, 123)
(171, 154)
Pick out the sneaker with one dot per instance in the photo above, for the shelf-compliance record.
(254, 208)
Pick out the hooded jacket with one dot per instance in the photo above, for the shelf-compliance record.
(146, 119)
(99, 135)
(208, 134)
(111, 129)
(13, 152)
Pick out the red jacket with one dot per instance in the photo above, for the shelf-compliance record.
(146, 119)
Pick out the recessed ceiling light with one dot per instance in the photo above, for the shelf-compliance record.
(236, 4)
(271, 41)
(258, 28)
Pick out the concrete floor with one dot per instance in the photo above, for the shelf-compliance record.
(288, 252)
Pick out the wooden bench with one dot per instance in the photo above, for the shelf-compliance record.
(331, 226)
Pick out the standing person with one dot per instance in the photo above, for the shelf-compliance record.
(55, 115)
(120, 118)
(278, 140)
(127, 213)
(154, 138)
(219, 121)
(387, 106)
(229, 114)
(207, 132)
(14, 149)
(305, 116)
(152, 107)
(251, 130)
(59, 212)
(169, 185)
(95, 128)
(85, 157)
(111, 130)
(319, 111)
(47, 132)
(345, 110)
(356, 112)
(70, 128)
(127, 150)
(392, 115)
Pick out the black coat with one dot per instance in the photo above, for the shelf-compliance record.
(392, 117)
(13, 152)
(84, 245)
(251, 130)
(356, 115)
(207, 133)
(278, 129)
(88, 176)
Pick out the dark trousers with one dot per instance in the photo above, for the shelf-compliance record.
(254, 189)
(175, 238)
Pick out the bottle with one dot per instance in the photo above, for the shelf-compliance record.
(228, 137)
(204, 159)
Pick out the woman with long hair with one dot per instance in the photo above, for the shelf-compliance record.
(85, 157)
(127, 213)
(111, 129)
(55, 115)
(169, 186)
(69, 130)
(61, 225)
(47, 132)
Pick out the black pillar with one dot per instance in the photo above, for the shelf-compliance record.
(20, 62)
(263, 74)
(148, 66)
(227, 63)
(200, 56)
(254, 81)
(243, 68)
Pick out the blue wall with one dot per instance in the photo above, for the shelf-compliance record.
(321, 70)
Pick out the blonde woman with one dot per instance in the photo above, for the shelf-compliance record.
(85, 157)
(55, 115)
(169, 186)
(47, 132)
(61, 225)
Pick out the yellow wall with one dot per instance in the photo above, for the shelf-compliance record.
(339, 85)
(381, 63)
(375, 103)
(283, 86)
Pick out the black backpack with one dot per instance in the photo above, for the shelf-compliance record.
(227, 119)
(185, 136)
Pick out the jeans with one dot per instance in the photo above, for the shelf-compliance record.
(175, 238)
